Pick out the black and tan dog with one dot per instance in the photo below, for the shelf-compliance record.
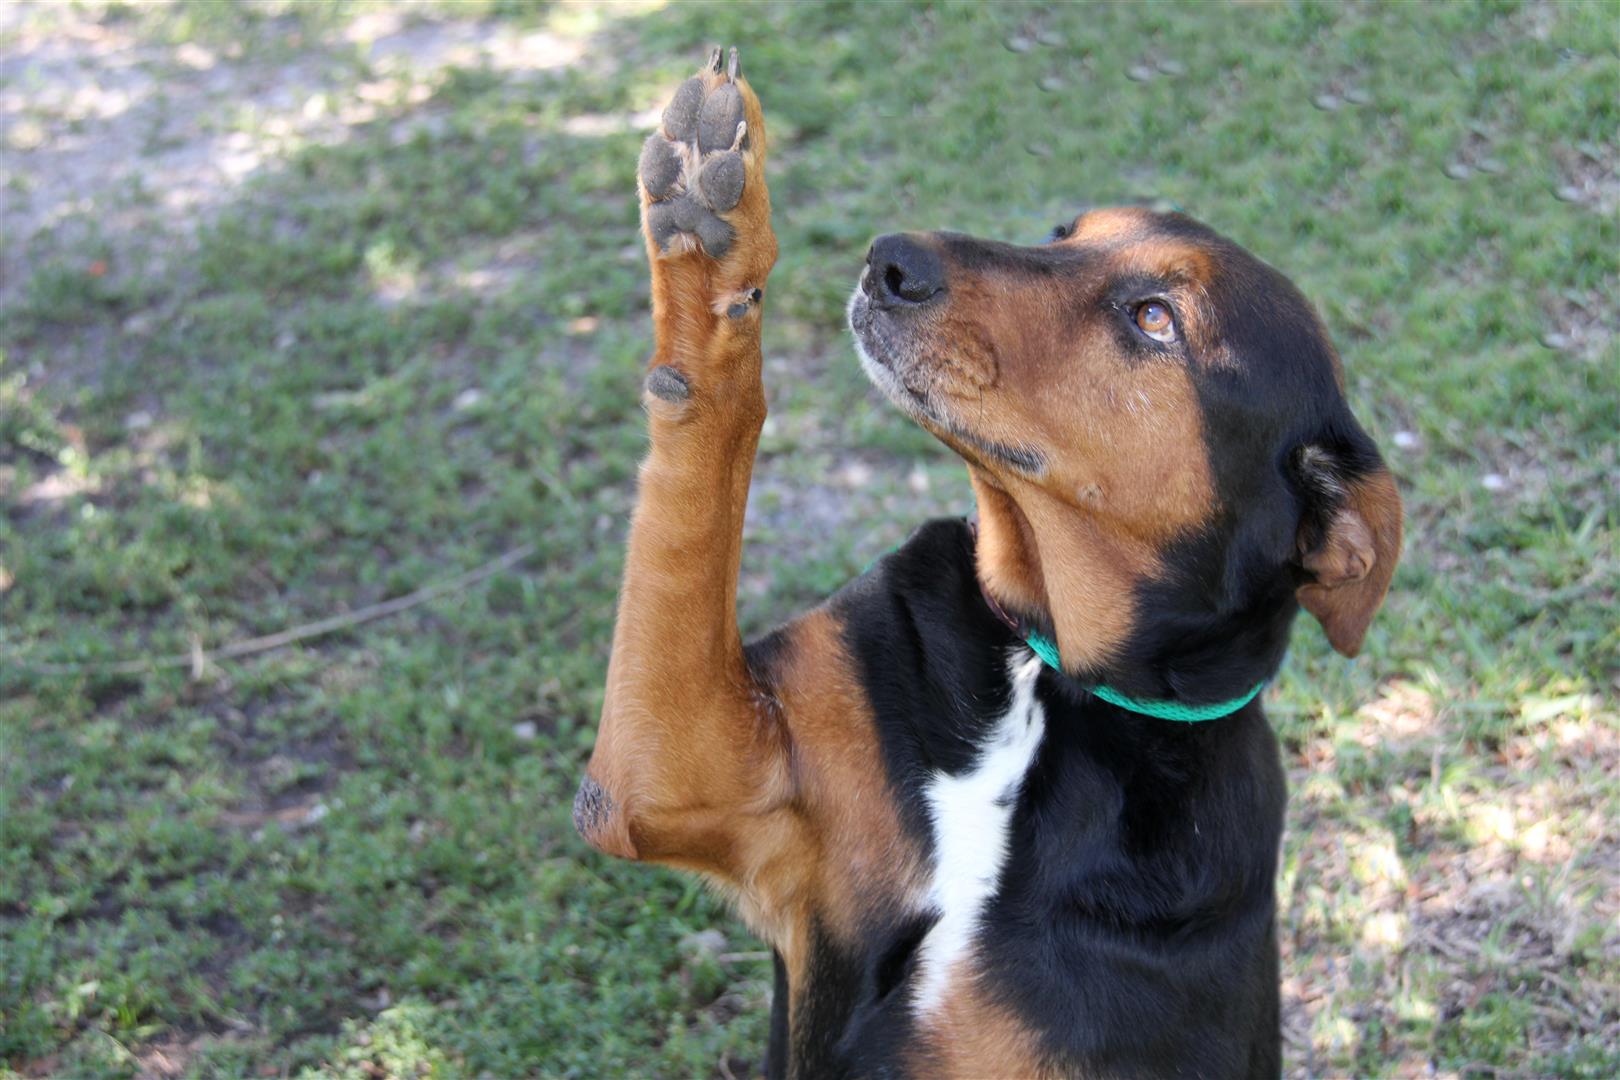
(1007, 804)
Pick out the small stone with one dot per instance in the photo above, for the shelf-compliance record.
(1172, 67)
(1458, 170)
(1555, 340)
(1406, 440)
(1326, 102)
(1039, 149)
(1139, 73)
(525, 731)
(1491, 165)
(1568, 193)
(711, 942)
(27, 134)
(1357, 95)
(316, 814)
(468, 398)
(138, 421)
(856, 474)
(1051, 83)
(1493, 481)
(1018, 43)
(1050, 38)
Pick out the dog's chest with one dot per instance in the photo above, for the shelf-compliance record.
(970, 813)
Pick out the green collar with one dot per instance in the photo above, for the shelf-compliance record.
(1045, 648)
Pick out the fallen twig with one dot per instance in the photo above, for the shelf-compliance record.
(197, 658)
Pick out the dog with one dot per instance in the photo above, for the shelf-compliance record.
(1007, 804)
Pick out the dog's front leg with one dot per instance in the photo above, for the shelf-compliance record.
(683, 745)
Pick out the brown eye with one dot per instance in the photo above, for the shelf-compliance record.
(1154, 319)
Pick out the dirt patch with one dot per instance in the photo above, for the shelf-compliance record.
(110, 129)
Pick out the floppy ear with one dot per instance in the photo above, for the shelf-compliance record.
(1349, 544)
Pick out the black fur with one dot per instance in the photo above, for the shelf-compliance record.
(776, 1054)
(1134, 926)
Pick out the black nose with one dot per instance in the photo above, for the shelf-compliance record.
(901, 272)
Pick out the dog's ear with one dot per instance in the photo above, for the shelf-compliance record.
(1349, 540)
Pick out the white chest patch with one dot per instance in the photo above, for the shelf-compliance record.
(971, 813)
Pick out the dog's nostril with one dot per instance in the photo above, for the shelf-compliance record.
(902, 271)
(896, 281)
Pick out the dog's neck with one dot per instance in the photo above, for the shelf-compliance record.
(1105, 602)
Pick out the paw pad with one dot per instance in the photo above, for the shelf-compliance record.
(660, 166)
(721, 181)
(667, 384)
(681, 115)
(692, 168)
(718, 119)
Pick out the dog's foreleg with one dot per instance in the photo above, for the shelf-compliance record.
(684, 743)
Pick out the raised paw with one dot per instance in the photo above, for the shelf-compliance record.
(701, 172)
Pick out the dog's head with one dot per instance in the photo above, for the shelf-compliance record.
(1153, 419)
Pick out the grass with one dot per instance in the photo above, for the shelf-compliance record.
(409, 340)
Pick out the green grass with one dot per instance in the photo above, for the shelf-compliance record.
(352, 857)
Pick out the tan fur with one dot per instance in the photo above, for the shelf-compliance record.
(972, 1037)
(773, 790)
(1111, 225)
(1354, 563)
(1073, 543)
(681, 742)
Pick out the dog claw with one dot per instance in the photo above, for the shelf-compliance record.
(733, 67)
(714, 59)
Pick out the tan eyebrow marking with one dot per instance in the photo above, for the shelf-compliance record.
(1112, 225)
